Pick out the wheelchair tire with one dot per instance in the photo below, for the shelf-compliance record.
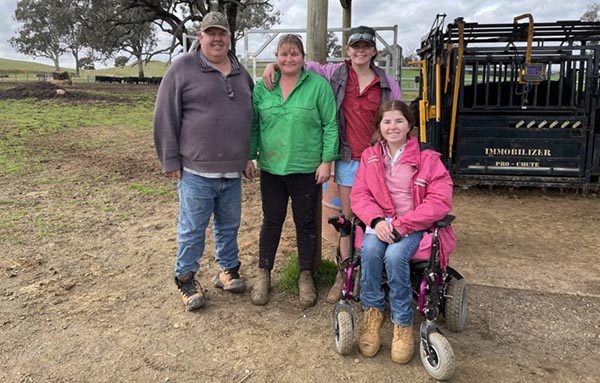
(441, 363)
(344, 332)
(455, 307)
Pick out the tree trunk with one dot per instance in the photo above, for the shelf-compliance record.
(231, 10)
(140, 64)
(77, 64)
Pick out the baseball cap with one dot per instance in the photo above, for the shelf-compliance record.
(361, 33)
(214, 20)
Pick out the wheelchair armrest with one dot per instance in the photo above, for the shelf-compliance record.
(340, 223)
(360, 223)
(336, 219)
(447, 220)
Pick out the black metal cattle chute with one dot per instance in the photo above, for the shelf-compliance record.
(513, 104)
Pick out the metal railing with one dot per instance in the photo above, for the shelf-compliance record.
(391, 57)
(392, 51)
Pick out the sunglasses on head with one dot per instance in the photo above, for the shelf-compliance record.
(291, 36)
(366, 36)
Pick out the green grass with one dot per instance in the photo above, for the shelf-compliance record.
(410, 74)
(152, 69)
(25, 119)
(8, 66)
(323, 277)
(9, 221)
(49, 150)
(151, 190)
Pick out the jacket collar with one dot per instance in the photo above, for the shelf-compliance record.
(303, 76)
(411, 154)
(383, 81)
(235, 64)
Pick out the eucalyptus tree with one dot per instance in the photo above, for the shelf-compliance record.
(181, 17)
(113, 30)
(51, 28)
(43, 32)
(592, 13)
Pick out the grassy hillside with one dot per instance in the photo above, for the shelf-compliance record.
(8, 66)
(153, 68)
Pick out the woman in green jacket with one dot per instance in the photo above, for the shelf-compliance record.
(295, 139)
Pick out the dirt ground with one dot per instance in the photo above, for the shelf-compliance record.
(44, 91)
(86, 289)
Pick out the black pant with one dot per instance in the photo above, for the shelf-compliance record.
(275, 191)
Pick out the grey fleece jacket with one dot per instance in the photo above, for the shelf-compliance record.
(202, 120)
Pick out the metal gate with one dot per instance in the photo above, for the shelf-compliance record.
(390, 58)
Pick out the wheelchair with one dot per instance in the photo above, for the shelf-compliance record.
(436, 290)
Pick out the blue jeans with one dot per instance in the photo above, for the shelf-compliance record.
(396, 259)
(199, 198)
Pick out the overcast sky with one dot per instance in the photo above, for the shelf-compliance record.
(413, 18)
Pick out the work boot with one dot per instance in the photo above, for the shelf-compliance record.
(260, 291)
(308, 294)
(230, 280)
(191, 291)
(370, 340)
(402, 344)
(335, 293)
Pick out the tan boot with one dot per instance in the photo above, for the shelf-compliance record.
(260, 292)
(370, 340)
(308, 293)
(191, 291)
(335, 293)
(230, 280)
(403, 345)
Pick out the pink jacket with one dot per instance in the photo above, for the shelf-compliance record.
(431, 191)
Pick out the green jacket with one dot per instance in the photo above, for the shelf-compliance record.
(298, 134)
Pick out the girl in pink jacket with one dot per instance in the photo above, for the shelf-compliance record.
(399, 192)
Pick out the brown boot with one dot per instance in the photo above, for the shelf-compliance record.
(230, 280)
(335, 293)
(370, 340)
(191, 291)
(308, 293)
(260, 291)
(403, 345)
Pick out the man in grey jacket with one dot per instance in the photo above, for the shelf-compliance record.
(202, 121)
